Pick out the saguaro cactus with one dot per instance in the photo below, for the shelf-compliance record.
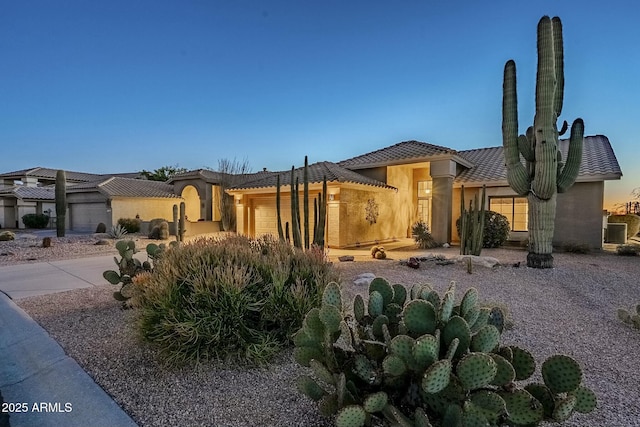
(472, 225)
(544, 175)
(61, 202)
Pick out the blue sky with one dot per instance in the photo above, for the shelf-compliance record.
(115, 86)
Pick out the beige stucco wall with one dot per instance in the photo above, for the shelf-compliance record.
(147, 208)
(208, 195)
(392, 221)
(579, 215)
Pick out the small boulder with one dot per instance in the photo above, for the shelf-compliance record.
(103, 242)
(6, 236)
(446, 245)
(413, 263)
(364, 279)
(345, 258)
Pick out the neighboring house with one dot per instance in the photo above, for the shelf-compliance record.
(375, 197)
(109, 199)
(91, 198)
(413, 180)
(31, 191)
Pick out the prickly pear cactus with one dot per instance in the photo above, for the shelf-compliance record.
(129, 267)
(543, 174)
(419, 359)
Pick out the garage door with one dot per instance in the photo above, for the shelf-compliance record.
(86, 216)
(266, 218)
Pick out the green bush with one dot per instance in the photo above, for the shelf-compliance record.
(35, 220)
(418, 358)
(632, 221)
(233, 299)
(132, 225)
(422, 237)
(496, 229)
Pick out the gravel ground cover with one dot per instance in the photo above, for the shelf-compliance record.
(570, 309)
(27, 248)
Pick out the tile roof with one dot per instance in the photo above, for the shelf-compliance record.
(126, 187)
(213, 177)
(403, 152)
(316, 171)
(25, 192)
(50, 174)
(598, 163)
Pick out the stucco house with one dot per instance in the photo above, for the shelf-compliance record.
(91, 198)
(415, 180)
(374, 197)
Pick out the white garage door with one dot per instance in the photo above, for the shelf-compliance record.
(266, 218)
(87, 216)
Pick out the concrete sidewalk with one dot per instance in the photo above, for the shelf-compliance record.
(40, 278)
(47, 387)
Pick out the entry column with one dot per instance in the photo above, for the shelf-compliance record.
(442, 173)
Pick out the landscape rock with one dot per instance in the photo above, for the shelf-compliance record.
(446, 245)
(484, 261)
(364, 279)
(6, 236)
(103, 242)
(413, 263)
(345, 258)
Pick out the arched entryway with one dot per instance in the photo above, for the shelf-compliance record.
(192, 203)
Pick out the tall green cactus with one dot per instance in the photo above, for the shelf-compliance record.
(544, 174)
(280, 231)
(302, 239)
(321, 219)
(472, 225)
(305, 198)
(61, 202)
(179, 221)
(295, 211)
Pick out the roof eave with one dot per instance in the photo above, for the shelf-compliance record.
(455, 157)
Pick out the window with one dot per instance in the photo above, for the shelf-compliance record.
(516, 209)
(424, 201)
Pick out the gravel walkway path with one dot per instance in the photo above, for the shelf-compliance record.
(570, 309)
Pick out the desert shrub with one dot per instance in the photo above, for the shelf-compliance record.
(496, 229)
(101, 228)
(160, 232)
(35, 220)
(422, 236)
(417, 358)
(117, 232)
(132, 225)
(632, 221)
(231, 298)
(628, 249)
